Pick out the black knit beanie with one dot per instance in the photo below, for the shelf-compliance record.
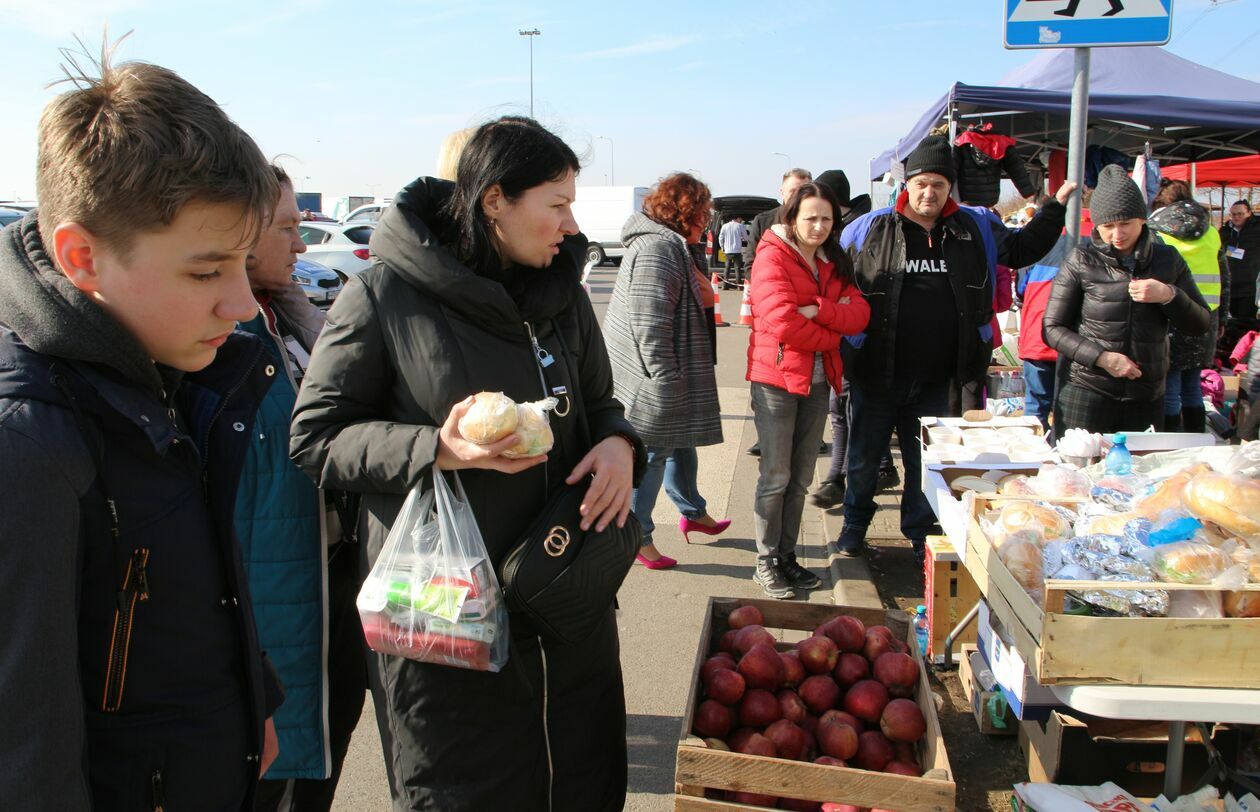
(1116, 197)
(933, 154)
(838, 183)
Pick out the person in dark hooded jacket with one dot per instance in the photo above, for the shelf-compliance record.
(476, 288)
(1185, 225)
(1109, 312)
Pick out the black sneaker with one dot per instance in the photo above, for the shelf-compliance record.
(797, 575)
(824, 450)
(829, 494)
(755, 451)
(888, 478)
(852, 540)
(771, 579)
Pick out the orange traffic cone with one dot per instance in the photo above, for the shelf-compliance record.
(717, 301)
(745, 309)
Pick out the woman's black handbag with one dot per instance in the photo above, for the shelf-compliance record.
(561, 577)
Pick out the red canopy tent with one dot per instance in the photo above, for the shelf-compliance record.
(1232, 172)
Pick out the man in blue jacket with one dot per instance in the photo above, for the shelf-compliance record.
(130, 671)
(304, 577)
(927, 268)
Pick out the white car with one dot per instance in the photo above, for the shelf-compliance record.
(365, 214)
(340, 246)
(321, 285)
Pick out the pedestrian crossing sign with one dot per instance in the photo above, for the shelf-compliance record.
(1087, 23)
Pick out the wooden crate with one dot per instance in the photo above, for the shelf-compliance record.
(701, 768)
(1076, 649)
(949, 593)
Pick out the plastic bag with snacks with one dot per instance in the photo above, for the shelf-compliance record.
(491, 417)
(1021, 552)
(432, 595)
(1060, 482)
(1231, 502)
(1245, 462)
(1166, 495)
(1032, 516)
(1189, 562)
(534, 429)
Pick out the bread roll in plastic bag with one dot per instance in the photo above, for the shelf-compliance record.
(534, 429)
(492, 416)
(1167, 494)
(1189, 562)
(1229, 501)
(1021, 553)
(1031, 516)
(1241, 604)
(1060, 482)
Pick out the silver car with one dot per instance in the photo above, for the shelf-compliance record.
(321, 285)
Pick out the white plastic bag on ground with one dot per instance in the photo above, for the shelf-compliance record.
(432, 595)
(1056, 798)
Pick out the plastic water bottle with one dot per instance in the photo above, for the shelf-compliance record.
(921, 629)
(1119, 461)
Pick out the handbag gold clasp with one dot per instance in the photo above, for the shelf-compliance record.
(557, 541)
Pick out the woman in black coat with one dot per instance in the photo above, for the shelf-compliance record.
(476, 288)
(1109, 312)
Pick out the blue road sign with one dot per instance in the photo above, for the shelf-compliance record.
(1087, 23)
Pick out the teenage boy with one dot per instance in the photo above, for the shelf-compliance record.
(303, 575)
(130, 671)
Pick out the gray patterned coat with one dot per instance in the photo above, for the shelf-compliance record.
(658, 341)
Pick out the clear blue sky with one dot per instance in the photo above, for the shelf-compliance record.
(360, 94)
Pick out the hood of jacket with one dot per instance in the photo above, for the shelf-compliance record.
(1185, 220)
(53, 317)
(857, 207)
(408, 242)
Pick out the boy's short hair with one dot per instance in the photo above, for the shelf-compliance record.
(125, 150)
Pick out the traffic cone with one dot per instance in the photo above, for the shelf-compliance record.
(717, 301)
(745, 308)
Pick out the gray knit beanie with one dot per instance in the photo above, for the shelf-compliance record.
(1116, 197)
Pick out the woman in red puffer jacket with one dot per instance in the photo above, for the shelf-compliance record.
(804, 302)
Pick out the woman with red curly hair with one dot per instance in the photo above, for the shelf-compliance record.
(662, 355)
(804, 302)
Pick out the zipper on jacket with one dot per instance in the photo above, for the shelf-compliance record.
(551, 770)
(159, 792)
(542, 360)
(135, 588)
(778, 357)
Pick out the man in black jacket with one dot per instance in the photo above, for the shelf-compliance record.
(1109, 312)
(792, 179)
(927, 269)
(1240, 239)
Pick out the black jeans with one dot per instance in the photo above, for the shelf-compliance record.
(347, 688)
(874, 413)
(839, 413)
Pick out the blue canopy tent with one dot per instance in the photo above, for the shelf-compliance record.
(1184, 110)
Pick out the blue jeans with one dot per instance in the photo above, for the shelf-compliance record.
(874, 413)
(676, 469)
(1183, 389)
(1039, 390)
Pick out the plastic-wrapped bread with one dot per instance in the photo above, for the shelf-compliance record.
(1021, 553)
(1032, 516)
(1167, 495)
(492, 416)
(534, 430)
(1241, 604)
(1229, 501)
(1190, 562)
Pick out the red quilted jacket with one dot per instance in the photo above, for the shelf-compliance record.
(783, 342)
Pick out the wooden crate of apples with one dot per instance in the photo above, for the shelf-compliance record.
(839, 721)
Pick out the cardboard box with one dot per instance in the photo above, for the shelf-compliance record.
(988, 704)
(949, 593)
(1084, 751)
(704, 774)
(1028, 699)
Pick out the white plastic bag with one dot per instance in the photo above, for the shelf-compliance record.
(432, 595)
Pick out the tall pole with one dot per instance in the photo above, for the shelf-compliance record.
(612, 158)
(1076, 142)
(531, 34)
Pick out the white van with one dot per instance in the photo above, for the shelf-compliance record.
(600, 212)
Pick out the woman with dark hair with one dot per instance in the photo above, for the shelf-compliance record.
(476, 288)
(658, 337)
(804, 302)
(1185, 225)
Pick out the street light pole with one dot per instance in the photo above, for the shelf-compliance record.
(612, 158)
(784, 155)
(531, 34)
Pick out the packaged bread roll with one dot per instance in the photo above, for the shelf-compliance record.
(1190, 562)
(534, 429)
(1167, 495)
(1021, 554)
(1031, 516)
(491, 417)
(1231, 502)
(1241, 604)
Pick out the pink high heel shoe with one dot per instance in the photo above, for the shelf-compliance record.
(688, 526)
(662, 563)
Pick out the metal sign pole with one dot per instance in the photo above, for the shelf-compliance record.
(1076, 142)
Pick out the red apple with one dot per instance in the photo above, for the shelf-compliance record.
(899, 673)
(759, 745)
(844, 718)
(713, 719)
(866, 700)
(762, 667)
(739, 738)
(789, 740)
(793, 671)
(877, 642)
(716, 663)
(726, 643)
(745, 616)
(902, 721)
(874, 751)
(797, 805)
(851, 668)
(819, 693)
(837, 740)
(753, 799)
(830, 761)
(791, 705)
(846, 632)
(759, 708)
(818, 654)
(749, 636)
(902, 768)
(725, 686)
(906, 752)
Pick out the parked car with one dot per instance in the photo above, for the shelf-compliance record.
(342, 247)
(726, 209)
(8, 215)
(321, 285)
(365, 214)
(600, 212)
